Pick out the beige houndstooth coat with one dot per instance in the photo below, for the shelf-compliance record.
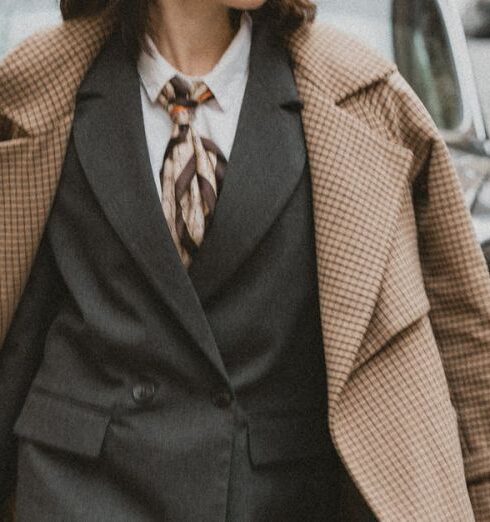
(404, 290)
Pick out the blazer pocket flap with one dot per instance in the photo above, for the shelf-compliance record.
(62, 424)
(287, 438)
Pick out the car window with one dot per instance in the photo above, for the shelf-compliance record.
(480, 52)
(423, 54)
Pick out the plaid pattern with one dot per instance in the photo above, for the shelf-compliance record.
(404, 289)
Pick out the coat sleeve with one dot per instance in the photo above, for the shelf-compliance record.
(457, 284)
(455, 273)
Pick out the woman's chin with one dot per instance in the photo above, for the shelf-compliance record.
(244, 4)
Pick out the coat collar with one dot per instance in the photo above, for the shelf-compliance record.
(323, 56)
(35, 99)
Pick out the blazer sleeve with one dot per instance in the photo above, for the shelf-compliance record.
(457, 283)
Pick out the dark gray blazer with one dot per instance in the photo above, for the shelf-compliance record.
(143, 392)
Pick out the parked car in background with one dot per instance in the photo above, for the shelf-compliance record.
(427, 41)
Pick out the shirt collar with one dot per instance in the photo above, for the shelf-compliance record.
(155, 71)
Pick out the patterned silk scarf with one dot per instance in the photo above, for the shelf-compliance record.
(193, 168)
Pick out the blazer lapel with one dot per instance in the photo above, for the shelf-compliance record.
(266, 163)
(357, 183)
(110, 141)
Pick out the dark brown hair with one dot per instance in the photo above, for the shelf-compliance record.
(283, 16)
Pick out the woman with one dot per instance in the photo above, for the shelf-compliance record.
(245, 283)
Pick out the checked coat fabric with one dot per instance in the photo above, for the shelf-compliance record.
(403, 286)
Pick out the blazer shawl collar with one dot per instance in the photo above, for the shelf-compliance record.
(357, 176)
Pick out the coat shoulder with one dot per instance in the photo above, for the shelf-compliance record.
(40, 76)
(335, 67)
(364, 83)
(336, 62)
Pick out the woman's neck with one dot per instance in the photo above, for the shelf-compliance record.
(190, 34)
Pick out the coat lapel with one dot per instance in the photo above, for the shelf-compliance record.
(110, 140)
(265, 165)
(358, 178)
(357, 183)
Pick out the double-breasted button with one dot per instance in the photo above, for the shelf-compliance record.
(143, 392)
(222, 399)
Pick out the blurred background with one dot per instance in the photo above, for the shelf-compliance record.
(442, 47)
(20, 18)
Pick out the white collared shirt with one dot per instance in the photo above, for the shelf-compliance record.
(216, 119)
